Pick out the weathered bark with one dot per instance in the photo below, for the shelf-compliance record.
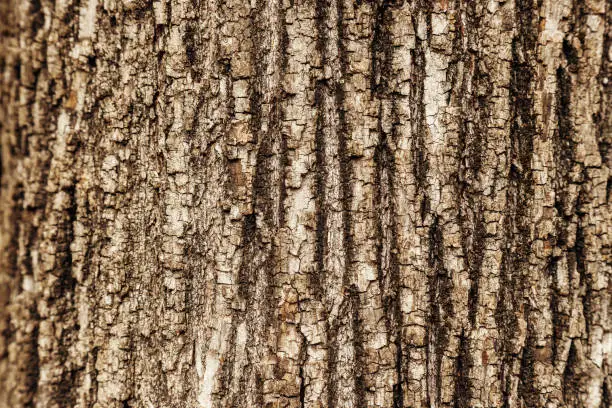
(305, 203)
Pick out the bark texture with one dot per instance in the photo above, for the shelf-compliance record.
(305, 203)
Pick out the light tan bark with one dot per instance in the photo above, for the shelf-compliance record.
(305, 203)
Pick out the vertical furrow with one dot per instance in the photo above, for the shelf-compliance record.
(413, 253)
(436, 160)
(551, 165)
(341, 355)
(401, 201)
(384, 77)
(327, 282)
(374, 354)
(469, 102)
(484, 140)
(515, 305)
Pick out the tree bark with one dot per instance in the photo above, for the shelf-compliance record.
(305, 203)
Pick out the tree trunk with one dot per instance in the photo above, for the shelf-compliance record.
(305, 203)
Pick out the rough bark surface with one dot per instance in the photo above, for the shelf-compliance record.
(305, 203)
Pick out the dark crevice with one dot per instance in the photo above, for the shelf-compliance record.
(398, 391)
(527, 391)
(381, 49)
(360, 366)
(440, 287)
(332, 362)
(321, 174)
(463, 363)
(228, 362)
(38, 17)
(302, 386)
(321, 199)
(345, 170)
(571, 377)
(560, 320)
(515, 269)
(474, 258)
(419, 127)
(387, 250)
(32, 375)
(343, 131)
(606, 401)
(381, 79)
(586, 279)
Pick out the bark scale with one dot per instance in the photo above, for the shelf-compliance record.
(305, 203)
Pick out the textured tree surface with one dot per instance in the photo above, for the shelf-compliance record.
(305, 203)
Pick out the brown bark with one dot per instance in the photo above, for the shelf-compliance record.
(305, 203)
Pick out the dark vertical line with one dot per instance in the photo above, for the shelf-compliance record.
(321, 199)
(515, 259)
(338, 90)
(440, 306)
(571, 376)
(33, 363)
(259, 188)
(419, 129)
(603, 117)
(474, 260)
(472, 137)
(388, 276)
(359, 378)
(346, 170)
(606, 401)
(284, 44)
(301, 375)
(321, 175)
(257, 262)
(463, 392)
(229, 360)
(420, 160)
(63, 299)
(563, 150)
(559, 320)
(332, 361)
(586, 280)
(381, 52)
(526, 389)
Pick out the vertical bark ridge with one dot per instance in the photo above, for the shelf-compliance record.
(222, 171)
(117, 130)
(294, 309)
